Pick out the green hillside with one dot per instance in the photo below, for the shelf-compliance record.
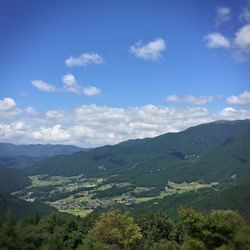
(12, 180)
(235, 197)
(18, 162)
(20, 209)
(190, 168)
(208, 152)
(36, 150)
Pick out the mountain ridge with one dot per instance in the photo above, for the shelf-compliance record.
(171, 152)
(37, 150)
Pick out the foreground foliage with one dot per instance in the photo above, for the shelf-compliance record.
(116, 230)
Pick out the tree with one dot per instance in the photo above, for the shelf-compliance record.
(117, 228)
(156, 226)
(92, 244)
(193, 223)
(241, 240)
(166, 245)
(193, 244)
(8, 235)
(221, 227)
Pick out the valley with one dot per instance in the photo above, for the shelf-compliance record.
(164, 173)
(79, 195)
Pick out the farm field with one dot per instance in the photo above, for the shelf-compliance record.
(78, 195)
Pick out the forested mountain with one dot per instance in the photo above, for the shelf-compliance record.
(216, 151)
(12, 180)
(20, 209)
(36, 150)
(18, 162)
(235, 197)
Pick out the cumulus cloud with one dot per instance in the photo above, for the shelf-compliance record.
(223, 14)
(70, 84)
(8, 109)
(241, 49)
(7, 104)
(91, 91)
(239, 46)
(53, 134)
(84, 60)
(69, 80)
(197, 100)
(242, 38)
(243, 98)
(230, 113)
(93, 125)
(13, 131)
(150, 51)
(216, 40)
(43, 86)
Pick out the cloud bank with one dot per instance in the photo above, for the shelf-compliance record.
(93, 125)
(243, 98)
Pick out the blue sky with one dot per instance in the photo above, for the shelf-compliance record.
(141, 61)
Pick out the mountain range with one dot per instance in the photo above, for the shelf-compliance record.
(213, 152)
(37, 150)
(217, 151)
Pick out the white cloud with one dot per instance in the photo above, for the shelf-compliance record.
(223, 14)
(84, 60)
(69, 80)
(70, 84)
(91, 91)
(53, 134)
(242, 37)
(93, 125)
(172, 98)
(43, 86)
(216, 40)
(150, 51)
(197, 100)
(13, 131)
(8, 109)
(245, 15)
(7, 104)
(54, 114)
(230, 113)
(243, 98)
(31, 111)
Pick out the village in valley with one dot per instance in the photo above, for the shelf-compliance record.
(79, 195)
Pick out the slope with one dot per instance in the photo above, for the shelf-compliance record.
(37, 150)
(12, 179)
(20, 208)
(235, 197)
(203, 152)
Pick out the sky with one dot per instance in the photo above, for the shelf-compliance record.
(91, 73)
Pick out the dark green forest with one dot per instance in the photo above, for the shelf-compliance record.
(117, 230)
